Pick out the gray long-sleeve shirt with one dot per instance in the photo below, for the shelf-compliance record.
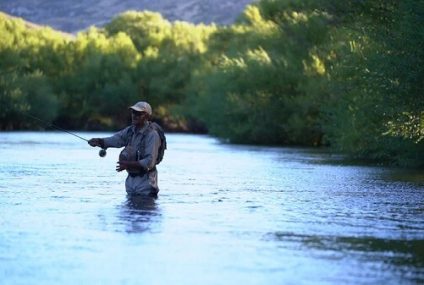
(146, 141)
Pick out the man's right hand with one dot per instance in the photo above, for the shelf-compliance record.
(95, 142)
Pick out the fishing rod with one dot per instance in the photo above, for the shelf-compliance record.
(54, 126)
(102, 152)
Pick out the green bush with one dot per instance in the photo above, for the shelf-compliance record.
(347, 74)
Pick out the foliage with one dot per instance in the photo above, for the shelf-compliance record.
(347, 74)
(24, 86)
(257, 86)
(377, 107)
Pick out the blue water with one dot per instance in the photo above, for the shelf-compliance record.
(226, 214)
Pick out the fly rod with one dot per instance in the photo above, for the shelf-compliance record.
(102, 152)
(54, 126)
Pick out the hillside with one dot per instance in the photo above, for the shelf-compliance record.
(73, 16)
(33, 26)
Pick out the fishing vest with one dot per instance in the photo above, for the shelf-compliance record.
(137, 152)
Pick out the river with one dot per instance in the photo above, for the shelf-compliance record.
(226, 214)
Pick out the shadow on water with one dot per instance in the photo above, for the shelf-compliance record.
(415, 176)
(396, 253)
(139, 213)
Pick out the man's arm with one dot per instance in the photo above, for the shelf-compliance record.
(151, 151)
(117, 140)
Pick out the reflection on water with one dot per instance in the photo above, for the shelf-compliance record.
(408, 176)
(226, 214)
(394, 251)
(138, 212)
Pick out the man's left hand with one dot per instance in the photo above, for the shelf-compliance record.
(121, 165)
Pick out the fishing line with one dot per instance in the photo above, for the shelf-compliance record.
(102, 152)
(46, 124)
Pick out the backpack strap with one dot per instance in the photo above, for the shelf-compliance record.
(130, 134)
(148, 129)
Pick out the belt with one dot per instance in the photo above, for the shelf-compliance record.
(142, 172)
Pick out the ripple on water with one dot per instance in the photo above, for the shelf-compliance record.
(225, 215)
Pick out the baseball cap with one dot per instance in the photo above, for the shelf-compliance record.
(142, 107)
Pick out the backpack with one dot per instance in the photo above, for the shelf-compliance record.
(162, 147)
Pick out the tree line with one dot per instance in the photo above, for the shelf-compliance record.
(345, 74)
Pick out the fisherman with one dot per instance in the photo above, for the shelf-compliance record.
(140, 155)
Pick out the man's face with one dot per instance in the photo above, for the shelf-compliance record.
(138, 118)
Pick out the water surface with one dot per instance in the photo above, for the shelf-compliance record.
(225, 215)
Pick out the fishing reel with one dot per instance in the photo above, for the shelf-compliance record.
(102, 152)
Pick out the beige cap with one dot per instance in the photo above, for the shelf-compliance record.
(142, 107)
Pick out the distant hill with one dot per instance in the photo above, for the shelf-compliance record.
(31, 25)
(75, 15)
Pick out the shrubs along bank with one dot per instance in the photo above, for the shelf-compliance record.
(348, 75)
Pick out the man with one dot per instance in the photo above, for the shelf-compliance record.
(139, 157)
